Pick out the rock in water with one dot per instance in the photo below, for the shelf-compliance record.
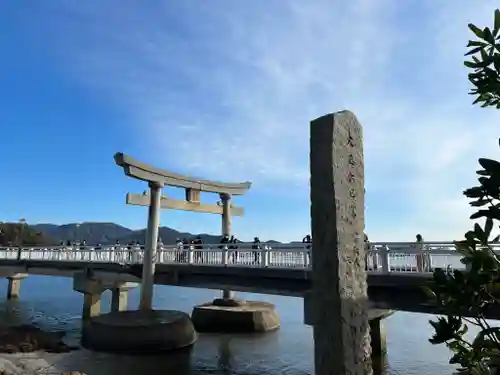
(29, 338)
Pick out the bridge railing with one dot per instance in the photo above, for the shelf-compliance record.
(241, 254)
(380, 257)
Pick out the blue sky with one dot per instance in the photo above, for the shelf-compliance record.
(225, 90)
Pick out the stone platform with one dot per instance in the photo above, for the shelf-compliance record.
(139, 332)
(235, 316)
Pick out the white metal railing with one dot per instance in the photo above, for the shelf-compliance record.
(380, 257)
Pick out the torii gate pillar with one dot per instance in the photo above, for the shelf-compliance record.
(226, 230)
(148, 267)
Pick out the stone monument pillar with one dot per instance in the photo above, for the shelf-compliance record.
(148, 265)
(226, 230)
(339, 296)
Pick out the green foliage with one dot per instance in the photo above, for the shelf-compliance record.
(466, 297)
(485, 62)
(17, 234)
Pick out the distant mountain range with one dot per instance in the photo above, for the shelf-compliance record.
(108, 233)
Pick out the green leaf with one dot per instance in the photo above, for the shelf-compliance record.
(496, 27)
(479, 203)
(488, 227)
(463, 248)
(476, 43)
(488, 36)
(478, 214)
(473, 51)
(479, 232)
(475, 192)
(490, 165)
(476, 30)
(470, 64)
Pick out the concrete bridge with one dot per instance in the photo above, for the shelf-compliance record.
(394, 282)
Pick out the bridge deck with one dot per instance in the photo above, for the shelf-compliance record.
(288, 273)
(386, 291)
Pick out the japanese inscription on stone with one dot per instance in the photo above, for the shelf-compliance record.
(341, 331)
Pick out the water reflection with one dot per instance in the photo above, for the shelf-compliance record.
(225, 356)
(51, 303)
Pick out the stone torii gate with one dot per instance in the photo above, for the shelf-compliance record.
(157, 179)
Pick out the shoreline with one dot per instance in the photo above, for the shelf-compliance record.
(86, 362)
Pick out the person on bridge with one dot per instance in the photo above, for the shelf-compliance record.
(185, 248)
(234, 254)
(256, 247)
(367, 250)
(198, 246)
(160, 254)
(129, 251)
(98, 251)
(179, 247)
(224, 241)
(308, 240)
(421, 256)
(83, 245)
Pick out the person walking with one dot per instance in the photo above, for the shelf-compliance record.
(367, 250)
(198, 246)
(179, 247)
(420, 254)
(308, 241)
(234, 253)
(256, 250)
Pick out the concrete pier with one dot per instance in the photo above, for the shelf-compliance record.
(14, 285)
(378, 332)
(91, 305)
(123, 331)
(119, 299)
(139, 331)
(92, 290)
(232, 316)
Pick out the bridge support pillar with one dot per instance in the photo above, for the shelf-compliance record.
(119, 296)
(14, 285)
(91, 290)
(91, 305)
(378, 343)
(233, 316)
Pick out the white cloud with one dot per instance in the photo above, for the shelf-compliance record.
(232, 89)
